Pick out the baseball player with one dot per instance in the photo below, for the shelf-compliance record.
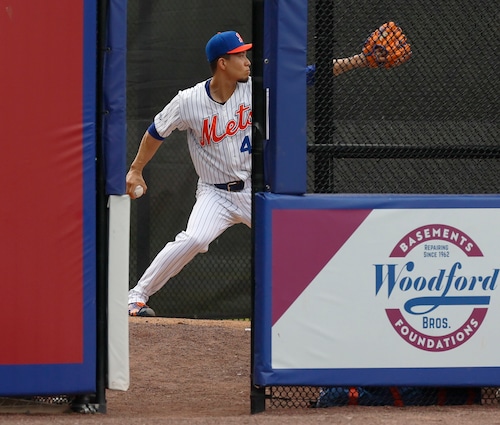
(217, 116)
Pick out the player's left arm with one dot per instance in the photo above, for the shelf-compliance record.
(386, 47)
(348, 64)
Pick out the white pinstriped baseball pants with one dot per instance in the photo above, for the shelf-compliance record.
(214, 211)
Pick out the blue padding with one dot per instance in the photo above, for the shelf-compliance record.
(56, 379)
(114, 99)
(82, 377)
(261, 320)
(374, 201)
(481, 376)
(285, 47)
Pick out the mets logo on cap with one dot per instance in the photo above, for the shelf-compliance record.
(436, 287)
(240, 39)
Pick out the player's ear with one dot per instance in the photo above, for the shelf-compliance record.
(221, 62)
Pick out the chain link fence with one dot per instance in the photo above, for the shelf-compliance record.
(429, 126)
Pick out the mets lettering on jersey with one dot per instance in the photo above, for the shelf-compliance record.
(243, 119)
(218, 135)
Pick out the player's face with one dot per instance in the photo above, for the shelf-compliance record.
(238, 66)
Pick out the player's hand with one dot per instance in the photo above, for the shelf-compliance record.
(133, 179)
(387, 47)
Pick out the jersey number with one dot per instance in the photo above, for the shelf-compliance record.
(246, 146)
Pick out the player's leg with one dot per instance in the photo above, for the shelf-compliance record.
(243, 201)
(211, 215)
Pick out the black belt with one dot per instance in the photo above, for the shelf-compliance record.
(236, 186)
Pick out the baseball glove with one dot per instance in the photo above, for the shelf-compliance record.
(386, 47)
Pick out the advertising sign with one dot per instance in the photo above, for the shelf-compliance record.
(375, 290)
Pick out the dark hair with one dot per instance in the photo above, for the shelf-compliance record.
(213, 64)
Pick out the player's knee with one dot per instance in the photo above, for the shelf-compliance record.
(198, 243)
(201, 245)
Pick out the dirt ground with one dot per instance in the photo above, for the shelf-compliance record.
(197, 372)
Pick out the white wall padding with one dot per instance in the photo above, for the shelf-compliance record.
(118, 282)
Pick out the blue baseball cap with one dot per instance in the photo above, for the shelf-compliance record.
(224, 43)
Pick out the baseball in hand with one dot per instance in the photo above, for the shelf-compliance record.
(138, 191)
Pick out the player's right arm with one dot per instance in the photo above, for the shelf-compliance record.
(147, 149)
(163, 124)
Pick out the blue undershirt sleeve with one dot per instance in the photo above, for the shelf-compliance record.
(152, 131)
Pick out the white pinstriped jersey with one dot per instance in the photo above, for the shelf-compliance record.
(219, 135)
